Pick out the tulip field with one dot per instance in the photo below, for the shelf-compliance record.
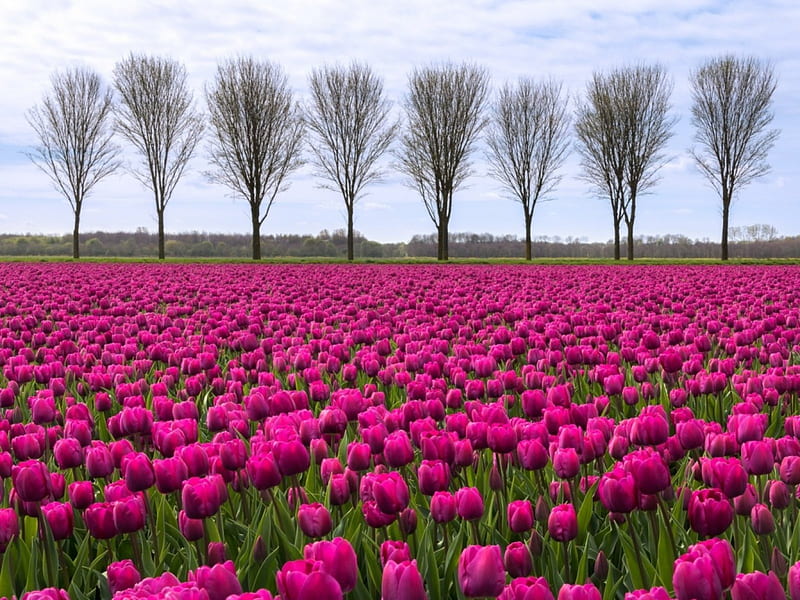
(403, 432)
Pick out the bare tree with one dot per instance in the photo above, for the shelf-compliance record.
(731, 112)
(349, 117)
(257, 131)
(623, 127)
(156, 114)
(601, 153)
(75, 138)
(444, 108)
(528, 143)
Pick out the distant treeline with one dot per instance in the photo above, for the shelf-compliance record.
(755, 241)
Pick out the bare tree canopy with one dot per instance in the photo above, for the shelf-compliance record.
(349, 117)
(75, 148)
(157, 115)
(445, 115)
(731, 112)
(623, 126)
(256, 134)
(528, 140)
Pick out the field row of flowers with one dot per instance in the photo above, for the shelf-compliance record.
(409, 432)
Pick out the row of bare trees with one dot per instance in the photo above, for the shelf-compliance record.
(257, 128)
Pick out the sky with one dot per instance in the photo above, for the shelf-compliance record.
(566, 40)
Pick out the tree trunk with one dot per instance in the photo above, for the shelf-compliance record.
(528, 221)
(439, 245)
(350, 253)
(443, 222)
(161, 254)
(726, 205)
(630, 239)
(256, 231)
(76, 253)
(616, 240)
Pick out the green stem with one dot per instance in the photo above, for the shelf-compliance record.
(638, 552)
(567, 574)
(206, 540)
(475, 532)
(666, 516)
(137, 551)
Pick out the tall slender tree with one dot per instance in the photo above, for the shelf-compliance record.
(350, 120)
(256, 134)
(445, 115)
(623, 126)
(528, 140)
(157, 115)
(75, 149)
(731, 112)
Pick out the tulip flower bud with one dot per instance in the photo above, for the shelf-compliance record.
(600, 567)
(122, 575)
(541, 511)
(757, 457)
(520, 516)
(397, 450)
(394, 550)
(358, 456)
(215, 553)
(495, 479)
(790, 470)
(433, 476)
(408, 521)
(778, 494)
(710, 512)
(9, 527)
(292, 457)
(390, 492)
(402, 581)
(778, 563)
(338, 560)
(201, 496)
(68, 453)
(374, 516)
(758, 585)
(587, 591)
(721, 553)
(517, 560)
(219, 581)
(793, 581)
(744, 503)
(314, 520)
(138, 470)
(617, 491)
(649, 471)
(99, 462)
(233, 454)
(60, 519)
(259, 552)
(761, 519)
(303, 580)
(443, 507)
(562, 524)
(654, 593)
(99, 519)
(129, 514)
(31, 480)
(191, 529)
(536, 543)
(481, 571)
(469, 504)
(522, 588)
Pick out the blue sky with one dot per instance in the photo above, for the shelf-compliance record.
(566, 40)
